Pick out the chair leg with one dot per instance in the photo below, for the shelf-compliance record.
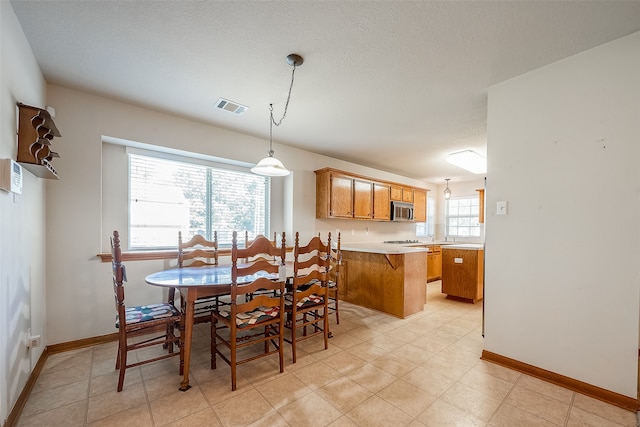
(213, 342)
(122, 359)
(281, 345)
(326, 327)
(294, 326)
(232, 359)
(337, 312)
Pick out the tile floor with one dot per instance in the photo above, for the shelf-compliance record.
(378, 371)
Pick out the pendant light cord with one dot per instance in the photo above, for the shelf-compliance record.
(272, 121)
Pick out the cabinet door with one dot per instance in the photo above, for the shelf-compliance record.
(362, 199)
(462, 273)
(419, 206)
(396, 193)
(407, 194)
(341, 197)
(481, 213)
(381, 203)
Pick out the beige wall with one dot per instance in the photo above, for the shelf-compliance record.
(22, 221)
(81, 206)
(562, 282)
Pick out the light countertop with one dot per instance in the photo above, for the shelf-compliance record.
(381, 248)
(467, 246)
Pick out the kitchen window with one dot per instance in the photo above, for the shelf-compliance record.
(169, 195)
(462, 217)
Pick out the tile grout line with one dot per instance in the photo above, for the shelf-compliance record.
(566, 419)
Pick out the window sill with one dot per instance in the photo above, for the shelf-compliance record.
(155, 255)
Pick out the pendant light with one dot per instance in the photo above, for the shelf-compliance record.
(447, 191)
(270, 166)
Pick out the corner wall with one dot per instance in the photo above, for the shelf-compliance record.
(562, 281)
(22, 221)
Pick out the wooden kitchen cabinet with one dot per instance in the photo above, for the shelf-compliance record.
(396, 193)
(419, 205)
(434, 263)
(340, 194)
(407, 194)
(362, 199)
(463, 274)
(481, 212)
(334, 195)
(381, 202)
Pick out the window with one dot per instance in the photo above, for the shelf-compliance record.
(427, 229)
(167, 196)
(462, 217)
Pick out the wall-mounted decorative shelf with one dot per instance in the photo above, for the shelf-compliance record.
(36, 131)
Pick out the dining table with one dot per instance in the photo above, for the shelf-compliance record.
(201, 282)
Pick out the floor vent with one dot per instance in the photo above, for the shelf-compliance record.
(234, 107)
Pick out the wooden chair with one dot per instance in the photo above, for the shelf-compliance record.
(140, 320)
(307, 302)
(256, 257)
(259, 320)
(334, 279)
(198, 252)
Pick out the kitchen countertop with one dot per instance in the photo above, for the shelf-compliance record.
(467, 246)
(381, 248)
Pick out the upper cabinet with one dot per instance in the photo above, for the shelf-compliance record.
(401, 194)
(381, 202)
(419, 205)
(481, 212)
(343, 195)
(36, 131)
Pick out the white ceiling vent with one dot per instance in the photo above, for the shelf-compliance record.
(234, 107)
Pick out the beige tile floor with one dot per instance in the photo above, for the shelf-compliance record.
(378, 371)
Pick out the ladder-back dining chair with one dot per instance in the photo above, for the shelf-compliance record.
(306, 303)
(140, 320)
(255, 325)
(198, 252)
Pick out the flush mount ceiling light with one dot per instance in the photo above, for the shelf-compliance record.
(447, 191)
(469, 160)
(270, 166)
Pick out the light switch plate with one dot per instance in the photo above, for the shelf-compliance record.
(501, 208)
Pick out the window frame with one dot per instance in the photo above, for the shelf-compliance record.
(474, 219)
(197, 161)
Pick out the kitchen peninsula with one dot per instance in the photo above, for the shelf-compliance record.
(384, 277)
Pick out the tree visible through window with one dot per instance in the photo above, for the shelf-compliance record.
(167, 196)
(462, 217)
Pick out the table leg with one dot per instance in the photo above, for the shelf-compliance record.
(188, 333)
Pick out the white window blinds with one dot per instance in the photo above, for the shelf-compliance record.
(167, 196)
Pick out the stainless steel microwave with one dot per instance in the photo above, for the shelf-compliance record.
(401, 211)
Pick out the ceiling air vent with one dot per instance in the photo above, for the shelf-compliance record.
(234, 107)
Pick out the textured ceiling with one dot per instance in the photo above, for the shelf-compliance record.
(392, 85)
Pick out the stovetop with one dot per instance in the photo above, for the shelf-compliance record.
(401, 241)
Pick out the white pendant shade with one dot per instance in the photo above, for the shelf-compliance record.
(270, 166)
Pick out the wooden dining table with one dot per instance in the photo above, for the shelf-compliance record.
(200, 282)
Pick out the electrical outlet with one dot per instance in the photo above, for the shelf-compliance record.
(34, 341)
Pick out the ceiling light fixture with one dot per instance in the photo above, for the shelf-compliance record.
(447, 191)
(270, 166)
(469, 160)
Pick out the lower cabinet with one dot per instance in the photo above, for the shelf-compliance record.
(462, 274)
(434, 263)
